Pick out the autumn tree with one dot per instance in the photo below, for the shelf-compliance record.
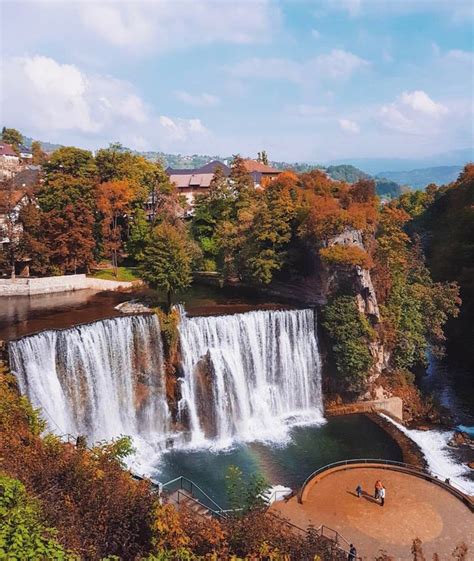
(39, 155)
(12, 137)
(239, 176)
(113, 202)
(68, 201)
(167, 259)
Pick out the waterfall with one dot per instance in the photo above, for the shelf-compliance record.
(102, 379)
(249, 376)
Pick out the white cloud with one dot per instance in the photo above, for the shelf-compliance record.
(335, 65)
(48, 99)
(159, 25)
(349, 126)
(413, 112)
(198, 100)
(420, 101)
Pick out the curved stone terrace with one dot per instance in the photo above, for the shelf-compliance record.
(417, 505)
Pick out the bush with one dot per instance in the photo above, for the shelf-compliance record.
(22, 534)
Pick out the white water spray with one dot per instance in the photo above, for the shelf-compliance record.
(102, 380)
(249, 376)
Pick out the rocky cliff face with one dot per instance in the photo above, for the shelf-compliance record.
(360, 283)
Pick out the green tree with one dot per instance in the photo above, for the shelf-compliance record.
(167, 260)
(262, 157)
(71, 161)
(350, 335)
(210, 210)
(12, 136)
(138, 235)
(22, 534)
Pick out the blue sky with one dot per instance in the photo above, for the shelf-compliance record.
(304, 80)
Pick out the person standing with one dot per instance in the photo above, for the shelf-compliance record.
(359, 491)
(382, 496)
(352, 556)
(378, 486)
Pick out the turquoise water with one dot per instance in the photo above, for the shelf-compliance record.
(310, 448)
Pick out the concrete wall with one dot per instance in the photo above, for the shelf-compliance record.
(47, 285)
(393, 406)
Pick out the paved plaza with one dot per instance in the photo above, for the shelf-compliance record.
(414, 507)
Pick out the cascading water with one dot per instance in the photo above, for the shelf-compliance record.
(102, 380)
(249, 376)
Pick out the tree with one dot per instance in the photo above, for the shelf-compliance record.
(138, 234)
(167, 260)
(13, 137)
(113, 202)
(71, 161)
(39, 155)
(350, 335)
(239, 176)
(262, 157)
(210, 210)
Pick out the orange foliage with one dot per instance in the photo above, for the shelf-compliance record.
(97, 508)
(346, 256)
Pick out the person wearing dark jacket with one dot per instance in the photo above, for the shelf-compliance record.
(352, 556)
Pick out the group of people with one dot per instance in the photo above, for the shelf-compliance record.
(379, 493)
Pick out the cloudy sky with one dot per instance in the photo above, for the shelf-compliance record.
(305, 80)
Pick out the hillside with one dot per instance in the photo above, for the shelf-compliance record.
(420, 178)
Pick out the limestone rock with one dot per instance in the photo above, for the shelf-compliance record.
(132, 307)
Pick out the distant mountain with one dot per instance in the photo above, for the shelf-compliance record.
(420, 178)
(374, 166)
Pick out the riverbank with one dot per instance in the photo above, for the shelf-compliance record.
(64, 283)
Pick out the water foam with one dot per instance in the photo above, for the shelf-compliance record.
(434, 445)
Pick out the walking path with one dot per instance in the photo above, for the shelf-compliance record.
(414, 507)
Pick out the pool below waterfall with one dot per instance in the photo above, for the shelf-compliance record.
(307, 449)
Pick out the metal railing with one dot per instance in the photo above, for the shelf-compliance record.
(185, 484)
(454, 488)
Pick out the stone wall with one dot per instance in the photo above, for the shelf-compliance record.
(393, 406)
(67, 283)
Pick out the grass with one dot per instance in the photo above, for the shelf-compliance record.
(124, 274)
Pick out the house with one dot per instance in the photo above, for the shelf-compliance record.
(11, 202)
(25, 152)
(9, 161)
(192, 182)
(189, 182)
(260, 171)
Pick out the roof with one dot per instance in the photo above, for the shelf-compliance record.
(191, 179)
(6, 150)
(256, 166)
(9, 198)
(210, 167)
(26, 178)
